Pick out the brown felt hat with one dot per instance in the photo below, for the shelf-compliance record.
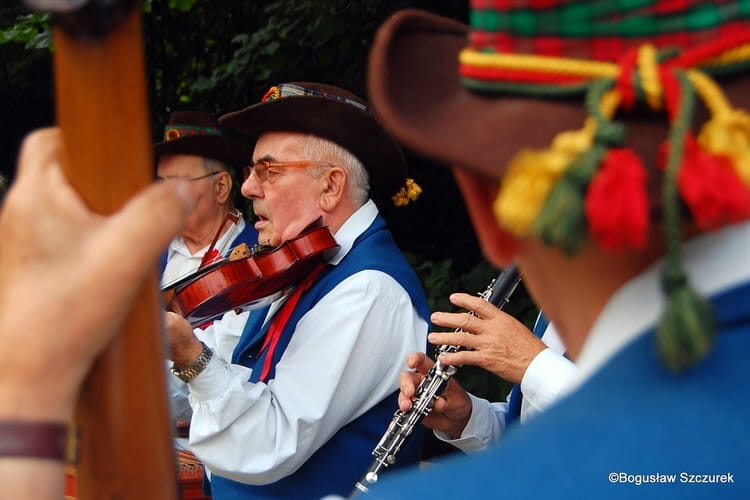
(415, 88)
(198, 133)
(331, 113)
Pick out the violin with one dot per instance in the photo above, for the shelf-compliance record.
(249, 278)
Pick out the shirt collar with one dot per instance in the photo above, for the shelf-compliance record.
(355, 225)
(713, 262)
(177, 245)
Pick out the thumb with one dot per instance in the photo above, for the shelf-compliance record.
(134, 236)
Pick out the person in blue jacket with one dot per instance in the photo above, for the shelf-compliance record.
(603, 147)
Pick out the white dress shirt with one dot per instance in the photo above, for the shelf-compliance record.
(180, 263)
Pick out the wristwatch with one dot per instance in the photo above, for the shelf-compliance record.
(192, 371)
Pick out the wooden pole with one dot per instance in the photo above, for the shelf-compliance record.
(125, 432)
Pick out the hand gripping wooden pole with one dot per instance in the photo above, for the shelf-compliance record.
(125, 433)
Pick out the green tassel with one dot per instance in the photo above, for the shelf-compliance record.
(686, 331)
(562, 222)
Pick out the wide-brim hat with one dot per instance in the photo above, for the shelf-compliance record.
(198, 133)
(415, 88)
(331, 113)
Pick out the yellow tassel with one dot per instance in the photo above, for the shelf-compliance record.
(729, 134)
(531, 175)
(410, 192)
(728, 130)
(649, 74)
(524, 189)
(739, 54)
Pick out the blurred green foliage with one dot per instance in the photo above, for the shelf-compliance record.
(32, 30)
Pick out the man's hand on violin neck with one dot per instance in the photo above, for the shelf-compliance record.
(184, 346)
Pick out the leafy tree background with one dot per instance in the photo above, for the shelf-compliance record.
(221, 55)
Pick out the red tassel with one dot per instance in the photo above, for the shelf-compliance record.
(616, 203)
(709, 186)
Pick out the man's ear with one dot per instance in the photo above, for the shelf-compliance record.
(223, 187)
(498, 245)
(333, 185)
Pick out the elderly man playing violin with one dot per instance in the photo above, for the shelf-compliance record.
(299, 402)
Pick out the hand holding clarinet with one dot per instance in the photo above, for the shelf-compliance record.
(428, 394)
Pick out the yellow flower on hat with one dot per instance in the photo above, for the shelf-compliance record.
(410, 192)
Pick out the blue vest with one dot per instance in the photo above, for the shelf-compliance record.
(632, 422)
(339, 463)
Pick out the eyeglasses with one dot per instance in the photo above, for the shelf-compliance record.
(262, 168)
(189, 178)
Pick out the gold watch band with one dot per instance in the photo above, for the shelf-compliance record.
(197, 366)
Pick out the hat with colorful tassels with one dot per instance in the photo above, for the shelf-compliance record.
(617, 107)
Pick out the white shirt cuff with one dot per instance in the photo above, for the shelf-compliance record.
(547, 374)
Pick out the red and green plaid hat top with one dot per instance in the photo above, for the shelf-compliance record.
(196, 132)
(595, 31)
(599, 30)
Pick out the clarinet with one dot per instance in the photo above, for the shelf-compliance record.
(498, 293)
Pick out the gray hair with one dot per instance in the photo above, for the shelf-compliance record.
(212, 165)
(325, 150)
